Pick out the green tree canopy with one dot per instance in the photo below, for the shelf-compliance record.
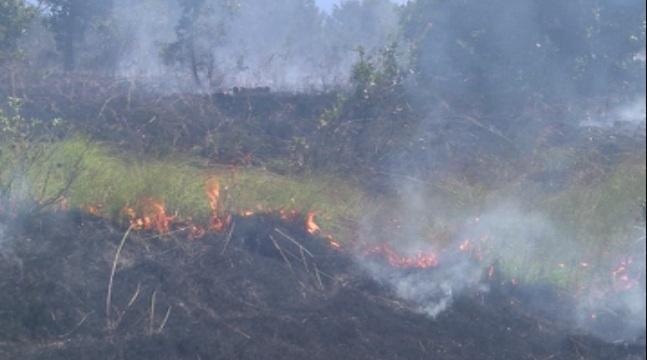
(69, 20)
(15, 17)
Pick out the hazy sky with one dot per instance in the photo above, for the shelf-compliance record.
(328, 4)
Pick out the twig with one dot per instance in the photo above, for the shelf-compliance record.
(112, 276)
(78, 325)
(228, 238)
(318, 277)
(151, 319)
(130, 303)
(276, 245)
(294, 242)
(303, 259)
(168, 314)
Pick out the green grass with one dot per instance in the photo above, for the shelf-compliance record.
(589, 222)
(111, 181)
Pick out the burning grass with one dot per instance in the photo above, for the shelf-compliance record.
(105, 182)
(596, 216)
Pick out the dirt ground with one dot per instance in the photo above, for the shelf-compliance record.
(264, 290)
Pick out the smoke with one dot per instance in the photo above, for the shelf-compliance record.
(523, 246)
(626, 118)
(510, 57)
(2, 238)
(286, 45)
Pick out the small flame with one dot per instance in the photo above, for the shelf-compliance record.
(153, 216)
(217, 223)
(213, 193)
(490, 272)
(247, 213)
(420, 259)
(311, 225)
(196, 232)
(333, 243)
(289, 215)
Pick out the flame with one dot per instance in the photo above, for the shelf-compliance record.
(490, 272)
(92, 210)
(419, 259)
(621, 275)
(213, 193)
(333, 243)
(311, 225)
(465, 246)
(217, 223)
(290, 215)
(196, 232)
(152, 216)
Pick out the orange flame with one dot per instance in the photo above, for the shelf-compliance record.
(213, 193)
(311, 225)
(153, 216)
(290, 215)
(420, 259)
(333, 243)
(217, 222)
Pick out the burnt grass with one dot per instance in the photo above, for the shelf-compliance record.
(264, 290)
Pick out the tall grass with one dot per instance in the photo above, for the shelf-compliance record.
(110, 181)
(593, 220)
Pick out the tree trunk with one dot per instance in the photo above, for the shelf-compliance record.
(69, 55)
(194, 60)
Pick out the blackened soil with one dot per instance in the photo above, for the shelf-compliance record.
(266, 290)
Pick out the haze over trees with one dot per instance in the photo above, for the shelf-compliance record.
(500, 142)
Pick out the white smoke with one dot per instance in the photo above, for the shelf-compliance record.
(628, 117)
(527, 246)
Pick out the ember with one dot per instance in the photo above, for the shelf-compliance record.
(150, 215)
(311, 225)
(419, 259)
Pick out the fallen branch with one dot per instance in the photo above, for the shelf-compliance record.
(168, 314)
(112, 278)
(276, 245)
(151, 319)
(228, 238)
(294, 242)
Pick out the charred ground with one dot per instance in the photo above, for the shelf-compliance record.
(264, 290)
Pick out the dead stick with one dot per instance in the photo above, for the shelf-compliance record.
(303, 259)
(281, 252)
(318, 277)
(112, 276)
(152, 313)
(168, 314)
(228, 239)
(293, 241)
(130, 303)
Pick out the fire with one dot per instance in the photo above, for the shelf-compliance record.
(196, 232)
(333, 243)
(247, 213)
(152, 216)
(311, 225)
(420, 259)
(217, 223)
(94, 210)
(289, 215)
(621, 275)
(213, 194)
(465, 246)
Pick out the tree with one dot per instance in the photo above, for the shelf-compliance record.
(15, 17)
(500, 53)
(69, 20)
(199, 31)
(375, 122)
